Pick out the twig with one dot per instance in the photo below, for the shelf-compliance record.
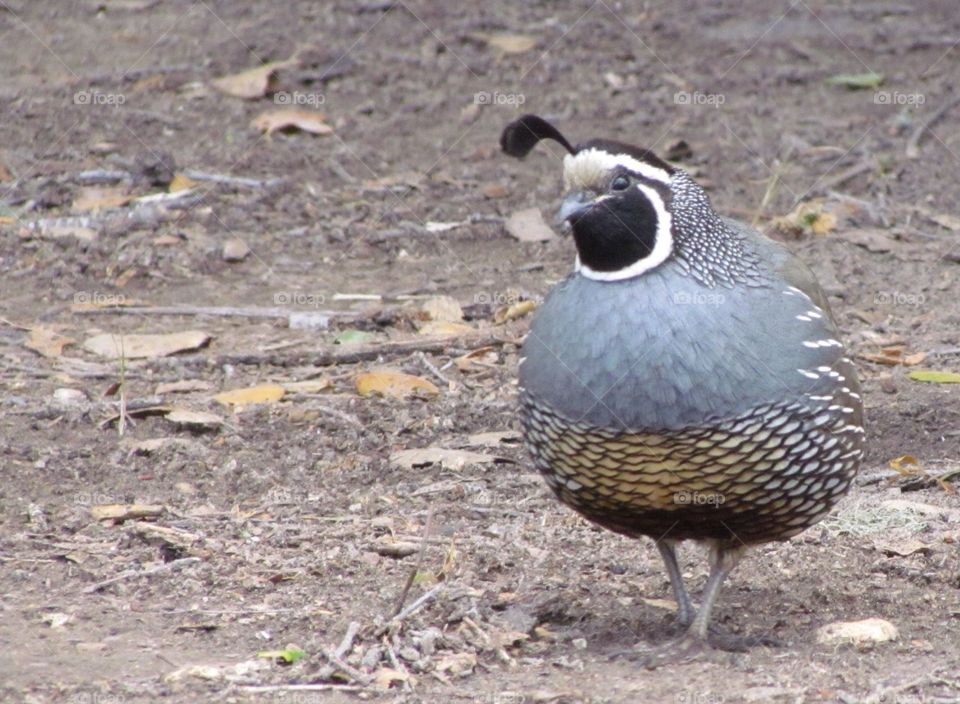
(433, 370)
(342, 415)
(347, 643)
(128, 574)
(328, 358)
(416, 567)
(395, 662)
(844, 176)
(235, 180)
(913, 144)
(418, 604)
(263, 688)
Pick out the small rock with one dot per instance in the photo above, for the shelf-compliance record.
(70, 398)
(868, 631)
(494, 190)
(529, 226)
(579, 643)
(235, 250)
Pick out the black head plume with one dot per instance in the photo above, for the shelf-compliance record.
(522, 135)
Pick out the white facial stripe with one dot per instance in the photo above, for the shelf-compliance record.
(662, 245)
(589, 167)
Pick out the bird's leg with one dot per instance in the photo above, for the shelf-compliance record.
(722, 562)
(668, 552)
(694, 643)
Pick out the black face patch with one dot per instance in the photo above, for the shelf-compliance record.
(617, 231)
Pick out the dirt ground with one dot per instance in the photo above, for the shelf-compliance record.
(296, 522)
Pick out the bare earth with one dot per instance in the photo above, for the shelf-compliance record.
(288, 522)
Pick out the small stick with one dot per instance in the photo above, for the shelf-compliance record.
(416, 568)
(235, 180)
(422, 601)
(347, 643)
(433, 370)
(264, 688)
(128, 574)
(842, 177)
(913, 144)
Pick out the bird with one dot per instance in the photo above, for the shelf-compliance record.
(686, 381)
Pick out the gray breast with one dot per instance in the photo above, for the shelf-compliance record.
(663, 351)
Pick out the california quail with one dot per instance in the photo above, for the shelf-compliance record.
(686, 381)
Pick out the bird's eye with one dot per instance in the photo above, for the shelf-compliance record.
(620, 183)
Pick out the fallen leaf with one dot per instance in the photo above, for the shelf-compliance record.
(446, 458)
(857, 81)
(291, 119)
(444, 328)
(125, 512)
(899, 464)
(5, 173)
(903, 548)
(181, 182)
(182, 386)
(514, 310)
(47, 342)
(442, 308)
(494, 190)
(477, 360)
(393, 384)
(310, 386)
(95, 198)
(509, 43)
(263, 393)
(871, 630)
(494, 438)
(252, 83)
(935, 377)
(186, 416)
(946, 221)
(456, 664)
(529, 226)
(145, 346)
(351, 336)
(385, 677)
(288, 655)
(910, 360)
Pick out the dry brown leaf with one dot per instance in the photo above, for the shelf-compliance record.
(529, 226)
(456, 664)
(186, 416)
(181, 182)
(263, 393)
(509, 43)
(5, 173)
(125, 512)
(442, 328)
(514, 310)
(903, 548)
(944, 220)
(910, 360)
(94, 198)
(291, 118)
(905, 464)
(145, 346)
(446, 458)
(478, 359)
(442, 308)
(871, 630)
(310, 386)
(393, 384)
(872, 240)
(494, 190)
(252, 83)
(47, 342)
(384, 677)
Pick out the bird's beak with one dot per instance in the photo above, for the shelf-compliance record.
(573, 207)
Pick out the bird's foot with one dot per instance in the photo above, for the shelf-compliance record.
(740, 644)
(686, 649)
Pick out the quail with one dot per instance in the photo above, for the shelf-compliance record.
(686, 381)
